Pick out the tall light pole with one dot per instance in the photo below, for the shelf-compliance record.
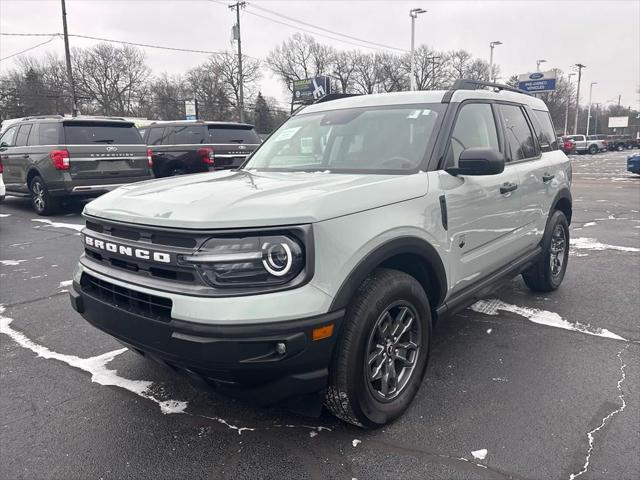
(589, 109)
(566, 113)
(491, 45)
(538, 62)
(413, 13)
(237, 6)
(575, 123)
(67, 55)
(597, 115)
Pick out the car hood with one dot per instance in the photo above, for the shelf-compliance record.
(234, 199)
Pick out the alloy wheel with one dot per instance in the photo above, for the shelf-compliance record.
(558, 249)
(392, 351)
(38, 196)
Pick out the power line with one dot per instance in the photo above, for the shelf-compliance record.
(382, 45)
(296, 27)
(53, 37)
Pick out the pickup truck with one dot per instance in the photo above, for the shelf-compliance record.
(590, 144)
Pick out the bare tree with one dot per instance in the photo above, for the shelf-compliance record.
(366, 73)
(342, 70)
(226, 65)
(167, 95)
(299, 57)
(392, 74)
(207, 87)
(111, 77)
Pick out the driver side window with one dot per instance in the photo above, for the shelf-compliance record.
(475, 127)
(7, 138)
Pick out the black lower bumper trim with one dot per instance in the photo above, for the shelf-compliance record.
(266, 362)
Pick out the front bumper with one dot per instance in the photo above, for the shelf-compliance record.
(243, 360)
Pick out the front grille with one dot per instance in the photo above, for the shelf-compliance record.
(149, 306)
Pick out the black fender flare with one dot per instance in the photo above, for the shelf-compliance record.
(564, 195)
(398, 246)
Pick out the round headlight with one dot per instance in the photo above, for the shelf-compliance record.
(277, 258)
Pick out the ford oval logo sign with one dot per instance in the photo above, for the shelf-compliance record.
(536, 76)
(112, 149)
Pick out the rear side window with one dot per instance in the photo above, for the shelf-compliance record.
(89, 133)
(48, 134)
(8, 136)
(155, 136)
(544, 127)
(188, 135)
(232, 135)
(518, 134)
(475, 127)
(23, 135)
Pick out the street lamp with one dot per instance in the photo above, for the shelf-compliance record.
(538, 62)
(413, 13)
(491, 45)
(566, 113)
(589, 109)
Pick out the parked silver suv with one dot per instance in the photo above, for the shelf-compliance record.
(322, 264)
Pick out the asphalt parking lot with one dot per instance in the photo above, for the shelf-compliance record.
(520, 386)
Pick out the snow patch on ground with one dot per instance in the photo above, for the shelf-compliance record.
(590, 435)
(5, 215)
(355, 442)
(541, 317)
(480, 454)
(72, 226)
(11, 263)
(593, 244)
(589, 224)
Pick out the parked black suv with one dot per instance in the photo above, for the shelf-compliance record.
(197, 146)
(52, 157)
(620, 142)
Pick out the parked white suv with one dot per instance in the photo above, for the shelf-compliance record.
(322, 264)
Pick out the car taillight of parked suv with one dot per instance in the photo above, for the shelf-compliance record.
(182, 147)
(50, 158)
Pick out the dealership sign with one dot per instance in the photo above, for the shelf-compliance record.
(310, 89)
(537, 82)
(190, 109)
(618, 122)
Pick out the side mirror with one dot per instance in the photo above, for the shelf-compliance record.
(479, 161)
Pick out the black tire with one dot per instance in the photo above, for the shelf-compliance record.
(542, 277)
(41, 200)
(593, 149)
(351, 395)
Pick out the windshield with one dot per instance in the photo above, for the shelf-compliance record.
(373, 139)
(233, 135)
(86, 133)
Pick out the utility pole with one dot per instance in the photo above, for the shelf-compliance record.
(492, 45)
(589, 108)
(67, 54)
(597, 114)
(538, 62)
(237, 7)
(575, 123)
(566, 113)
(619, 97)
(413, 13)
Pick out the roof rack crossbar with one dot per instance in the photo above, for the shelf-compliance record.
(466, 84)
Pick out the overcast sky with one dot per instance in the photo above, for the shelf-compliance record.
(604, 35)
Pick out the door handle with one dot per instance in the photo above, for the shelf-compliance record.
(547, 177)
(26, 155)
(508, 187)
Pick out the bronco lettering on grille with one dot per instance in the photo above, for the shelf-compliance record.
(140, 253)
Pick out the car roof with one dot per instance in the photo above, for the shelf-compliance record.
(425, 96)
(201, 122)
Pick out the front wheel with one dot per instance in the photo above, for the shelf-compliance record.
(41, 200)
(547, 274)
(382, 352)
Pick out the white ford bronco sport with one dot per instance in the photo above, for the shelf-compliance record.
(321, 265)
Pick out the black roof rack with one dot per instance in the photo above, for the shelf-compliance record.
(335, 96)
(467, 84)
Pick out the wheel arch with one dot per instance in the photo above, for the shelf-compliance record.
(411, 255)
(33, 172)
(563, 202)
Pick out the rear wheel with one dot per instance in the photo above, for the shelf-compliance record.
(382, 351)
(593, 149)
(41, 200)
(547, 274)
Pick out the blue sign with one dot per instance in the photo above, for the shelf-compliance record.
(546, 85)
(190, 117)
